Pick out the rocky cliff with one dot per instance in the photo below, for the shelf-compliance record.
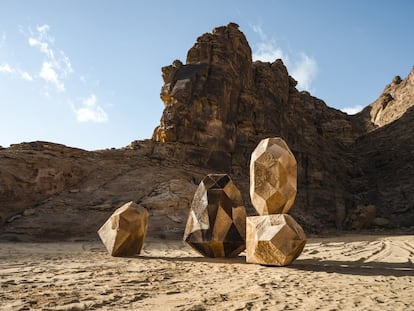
(218, 106)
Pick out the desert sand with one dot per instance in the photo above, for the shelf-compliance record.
(350, 272)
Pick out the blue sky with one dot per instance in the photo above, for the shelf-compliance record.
(88, 73)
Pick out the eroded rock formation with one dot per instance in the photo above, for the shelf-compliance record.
(218, 106)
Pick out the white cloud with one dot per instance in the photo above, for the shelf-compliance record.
(57, 66)
(6, 68)
(268, 52)
(43, 46)
(66, 64)
(304, 71)
(88, 114)
(2, 39)
(26, 76)
(90, 111)
(55, 69)
(43, 30)
(49, 74)
(302, 67)
(353, 109)
(42, 39)
(258, 29)
(90, 101)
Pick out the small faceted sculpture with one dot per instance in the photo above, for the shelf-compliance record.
(273, 177)
(123, 234)
(275, 240)
(216, 225)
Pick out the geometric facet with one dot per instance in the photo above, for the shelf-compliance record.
(273, 177)
(275, 240)
(216, 225)
(124, 232)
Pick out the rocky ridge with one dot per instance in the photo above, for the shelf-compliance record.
(218, 106)
(91, 185)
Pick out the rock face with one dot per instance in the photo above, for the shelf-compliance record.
(33, 172)
(363, 216)
(210, 82)
(383, 172)
(218, 106)
(104, 180)
(395, 100)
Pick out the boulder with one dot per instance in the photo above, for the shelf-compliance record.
(363, 216)
(381, 222)
(123, 234)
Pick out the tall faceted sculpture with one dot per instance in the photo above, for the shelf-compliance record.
(123, 234)
(273, 238)
(216, 225)
(273, 177)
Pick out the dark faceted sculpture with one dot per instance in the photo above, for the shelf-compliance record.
(216, 225)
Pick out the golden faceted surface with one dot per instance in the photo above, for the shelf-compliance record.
(275, 240)
(216, 225)
(273, 177)
(123, 234)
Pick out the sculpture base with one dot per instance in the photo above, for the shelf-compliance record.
(275, 240)
(217, 249)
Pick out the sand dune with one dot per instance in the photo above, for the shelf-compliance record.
(351, 272)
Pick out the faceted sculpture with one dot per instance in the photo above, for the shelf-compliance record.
(273, 177)
(274, 240)
(216, 225)
(123, 234)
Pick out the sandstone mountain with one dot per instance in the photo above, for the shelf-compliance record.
(218, 106)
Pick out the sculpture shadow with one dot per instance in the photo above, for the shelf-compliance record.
(219, 260)
(310, 265)
(355, 267)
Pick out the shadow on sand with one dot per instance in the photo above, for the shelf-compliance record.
(311, 265)
(359, 267)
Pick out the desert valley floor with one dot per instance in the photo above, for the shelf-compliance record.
(348, 272)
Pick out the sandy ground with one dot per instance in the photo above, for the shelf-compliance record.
(351, 272)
